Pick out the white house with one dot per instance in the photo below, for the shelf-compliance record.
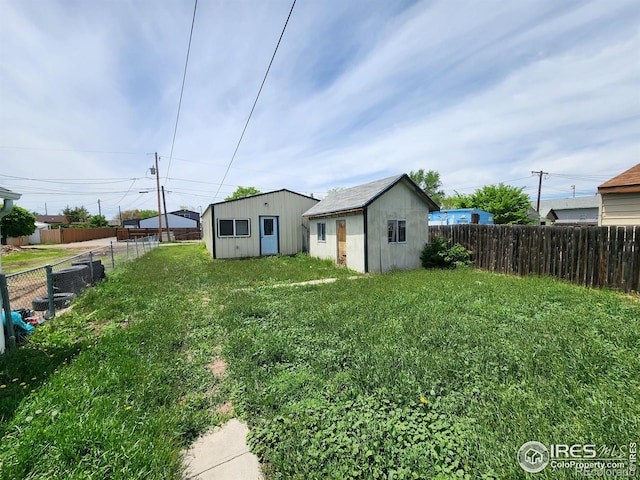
(620, 199)
(374, 227)
(264, 224)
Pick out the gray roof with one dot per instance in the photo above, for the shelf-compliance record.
(362, 195)
(574, 203)
(8, 194)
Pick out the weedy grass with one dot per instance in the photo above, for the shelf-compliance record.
(424, 374)
(27, 258)
(431, 374)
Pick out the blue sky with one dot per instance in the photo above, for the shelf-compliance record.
(481, 91)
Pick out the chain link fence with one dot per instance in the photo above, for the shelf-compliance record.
(52, 287)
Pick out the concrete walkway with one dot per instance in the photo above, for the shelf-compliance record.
(222, 454)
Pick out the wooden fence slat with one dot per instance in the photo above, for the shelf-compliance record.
(590, 256)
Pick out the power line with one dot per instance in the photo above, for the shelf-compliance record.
(256, 100)
(184, 77)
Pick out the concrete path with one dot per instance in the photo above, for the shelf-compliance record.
(222, 454)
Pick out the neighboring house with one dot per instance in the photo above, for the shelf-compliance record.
(135, 223)
(264, 224)
(569, 211)
(175, 221)
(620, 199)
(52, 219)
(375, 227)
(188, 214)
(461, 216)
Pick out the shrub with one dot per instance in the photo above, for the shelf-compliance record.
(441, 254)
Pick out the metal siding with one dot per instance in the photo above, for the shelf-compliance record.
(329, 249)
(399, 203)
(288, 207)
(207, 229)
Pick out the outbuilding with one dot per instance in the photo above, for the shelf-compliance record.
(461, 216)
(375, 227)
(620, 199)
(264, 224)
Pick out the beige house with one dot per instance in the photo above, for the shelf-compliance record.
(264, 224)
(620, 199)
(375, 227)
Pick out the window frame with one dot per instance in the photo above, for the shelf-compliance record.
(234, 227)
(394, 229)
(322, 232)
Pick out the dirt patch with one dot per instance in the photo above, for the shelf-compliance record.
(218, 367)
(225, 408)
(10, 249)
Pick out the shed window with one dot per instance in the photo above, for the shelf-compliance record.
(322, 232)
(233, 228)
(396, 231)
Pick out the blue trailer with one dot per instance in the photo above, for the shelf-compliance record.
(461, 216)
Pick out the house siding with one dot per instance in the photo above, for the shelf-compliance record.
(396, 204)
(287, 206)
(620, 209)
(329, 249)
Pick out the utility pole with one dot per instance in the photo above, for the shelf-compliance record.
(99, 208)
(159, 209)
(166, 216)
(540, 174)
(573, 187)
(120, 212)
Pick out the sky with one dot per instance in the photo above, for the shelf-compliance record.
(482, 91)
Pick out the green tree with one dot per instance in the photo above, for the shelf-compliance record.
(16, 223)
(509, 205)
(98, 221)
(242, 192)
(147, 214)
(76, 214)
(429, 182)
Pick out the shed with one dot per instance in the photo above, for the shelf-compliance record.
(264, 224)
(375, 227)
(620, 199)
(461, 216)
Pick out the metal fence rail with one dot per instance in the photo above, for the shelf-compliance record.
(53, 286)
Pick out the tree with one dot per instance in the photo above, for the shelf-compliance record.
(509, 205)
(430, 183)
(242, 192)
(77, 214)
(148, 214)
(16, 223)
(98, 221)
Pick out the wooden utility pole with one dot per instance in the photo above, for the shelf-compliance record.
(159, 209)
(166, 215)
(99, 208)
(540, 174)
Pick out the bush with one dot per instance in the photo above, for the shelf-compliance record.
(441, 254)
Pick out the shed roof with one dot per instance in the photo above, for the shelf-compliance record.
(358, 197)
(8, 194)
(265, 193)
(627, 181)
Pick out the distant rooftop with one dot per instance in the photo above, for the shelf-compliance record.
(571, 203)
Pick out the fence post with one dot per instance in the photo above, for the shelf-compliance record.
(50, 292)
(113, 260)
(4, 291)
(136, 243)
(91, 266)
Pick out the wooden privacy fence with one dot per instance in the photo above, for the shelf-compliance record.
(590, 256)
(179, 233)
(68, 235)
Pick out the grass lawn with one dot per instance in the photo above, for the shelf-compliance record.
(13, 262)
(425, 374)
